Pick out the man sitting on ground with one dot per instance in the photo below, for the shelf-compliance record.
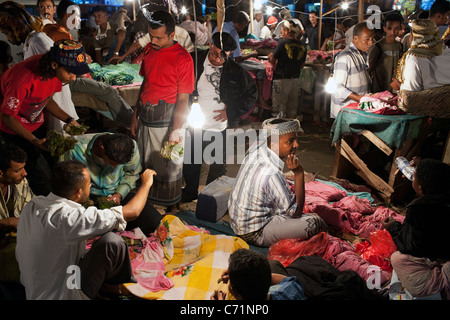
(262, 208)
(15, 194)
(57, 266)
(114, 164)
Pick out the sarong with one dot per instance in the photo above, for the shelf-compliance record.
(154, 129)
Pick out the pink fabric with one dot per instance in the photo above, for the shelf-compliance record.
(324, 191)
(349, 260)
(148, 265)
(355, 204)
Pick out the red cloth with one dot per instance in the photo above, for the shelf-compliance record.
(167, 72)
(24, 94)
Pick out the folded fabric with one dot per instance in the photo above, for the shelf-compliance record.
(380, 103)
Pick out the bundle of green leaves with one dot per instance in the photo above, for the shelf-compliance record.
(57, 144)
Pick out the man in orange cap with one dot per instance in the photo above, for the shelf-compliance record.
(267, 30)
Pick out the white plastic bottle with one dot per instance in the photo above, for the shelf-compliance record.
(404, 166)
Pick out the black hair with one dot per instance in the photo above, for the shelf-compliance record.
(393, 16)
(39, 1)
(118, 147)
(348, 23)
(162, 18)
(359, 28)
(224, 41)
(5, 52)
(250, 274)
(439, 6)
(45, 67)
(433, 176)
(100, 8)
(61, 10)
(11, 152)
(67, 178)
(241, 17)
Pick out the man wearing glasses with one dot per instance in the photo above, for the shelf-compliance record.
(162, 106)
(226, 91)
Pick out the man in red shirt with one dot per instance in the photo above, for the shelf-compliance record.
(162, 106)
(26, 89)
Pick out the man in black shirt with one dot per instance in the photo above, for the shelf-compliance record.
(288, 58)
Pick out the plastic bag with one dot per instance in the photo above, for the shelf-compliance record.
(379, 250)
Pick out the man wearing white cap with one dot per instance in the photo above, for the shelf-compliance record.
(258, 24)
(262, 207)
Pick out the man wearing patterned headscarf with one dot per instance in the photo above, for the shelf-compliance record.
(22, 28)
(262, 207)
(425, 64)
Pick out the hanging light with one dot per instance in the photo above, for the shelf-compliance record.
(257, 5)
(344, 6)
(183, 10)
(331, 85)
(196, 118)
(269, 11)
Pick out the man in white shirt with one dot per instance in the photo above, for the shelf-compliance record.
(425, 65)
(52, 233)
(258, 24)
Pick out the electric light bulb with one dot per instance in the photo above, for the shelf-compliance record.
(196, 118)
(257, 5)
(331, 85)
(344, 6)
(183, 10)
(269, 11)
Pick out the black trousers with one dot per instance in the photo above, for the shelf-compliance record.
(192, 166)
(107, 261)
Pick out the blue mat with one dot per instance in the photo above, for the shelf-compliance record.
(220, 227)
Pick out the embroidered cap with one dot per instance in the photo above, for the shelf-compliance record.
(71, 55)
(281, 126)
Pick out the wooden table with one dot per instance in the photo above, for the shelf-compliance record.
(410, 133)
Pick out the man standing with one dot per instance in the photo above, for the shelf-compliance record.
(162, 106)
(262, 207)
(47, 266)
(258, 24)
(225, 89)
(60, 30)
(312, 32)
(27, 88)
(288, 58)
(267, 30)
(351, 71)
(239, 23)
(47, 10)
(385, 54)
(109, 38)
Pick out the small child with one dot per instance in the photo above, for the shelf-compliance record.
(424, 232)
(250, 278)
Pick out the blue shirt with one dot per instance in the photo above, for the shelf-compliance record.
(228, 27)
(288, 289)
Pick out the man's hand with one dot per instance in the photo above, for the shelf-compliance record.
(221, 115)
(116, 59)
(175, 136)
(40, 143)
(387, 222)
(218, 295)
(116, 197)
(134, 124)
(293, 164)
(147, 177)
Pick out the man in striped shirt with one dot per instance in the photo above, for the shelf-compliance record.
(262, 207)
(351, 70)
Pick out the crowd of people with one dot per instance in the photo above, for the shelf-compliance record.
(44, 198)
